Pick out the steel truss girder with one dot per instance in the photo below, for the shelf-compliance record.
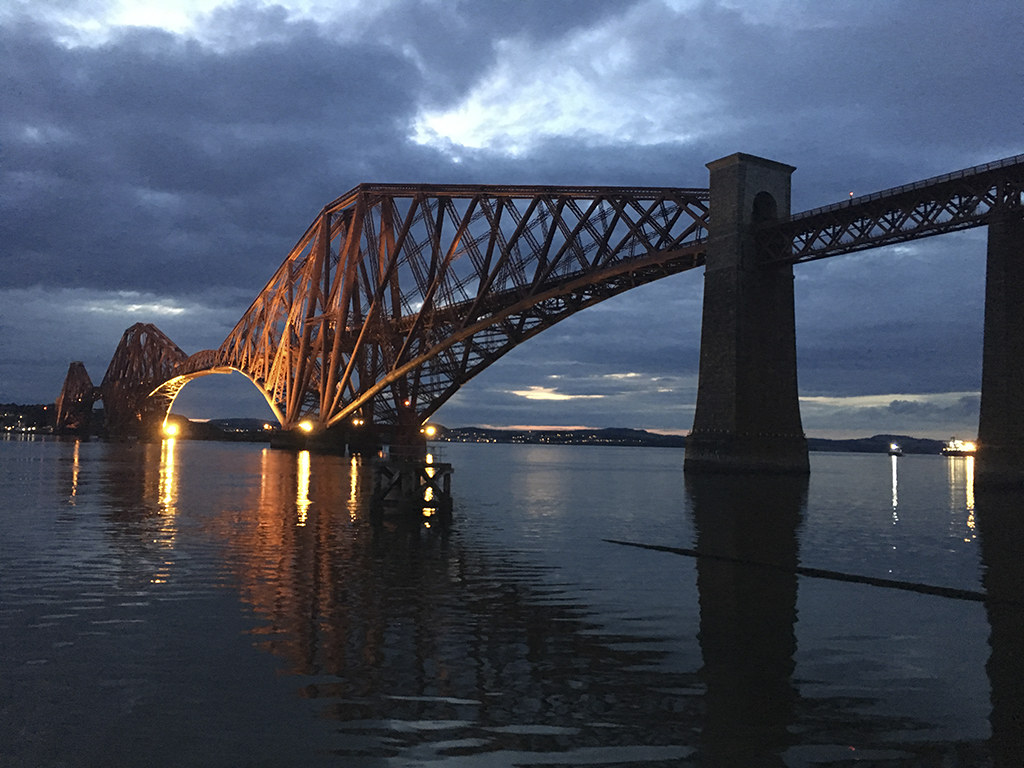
(398, 294)
(74, 404)
(949, 203)
(462, 353)
(144, 359)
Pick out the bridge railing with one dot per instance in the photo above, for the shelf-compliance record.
(948, 203)
(974, 170)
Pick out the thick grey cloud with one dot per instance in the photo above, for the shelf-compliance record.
(455, 42)
(183, 166)
(153, 155)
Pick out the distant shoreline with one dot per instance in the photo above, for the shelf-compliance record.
(643, 438)
(36, 419)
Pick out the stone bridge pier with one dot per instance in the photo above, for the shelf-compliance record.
(1000, 458)
(748, 412)
(747, 417)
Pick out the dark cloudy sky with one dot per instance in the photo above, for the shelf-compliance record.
(157, 166)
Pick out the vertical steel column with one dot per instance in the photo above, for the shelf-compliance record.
(748, 412)
(1000, 459)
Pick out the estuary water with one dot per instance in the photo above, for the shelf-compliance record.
(212, 604)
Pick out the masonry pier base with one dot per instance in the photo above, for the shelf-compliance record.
(746, 454)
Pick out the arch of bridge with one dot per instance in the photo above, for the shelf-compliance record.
(170, 389)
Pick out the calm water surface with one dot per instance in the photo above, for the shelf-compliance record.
(189, 603)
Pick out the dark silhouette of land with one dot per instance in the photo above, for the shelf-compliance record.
(640, 437)
(39, 419)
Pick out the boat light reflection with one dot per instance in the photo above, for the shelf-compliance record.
(961, 481)
(969, 472)
(895, 494)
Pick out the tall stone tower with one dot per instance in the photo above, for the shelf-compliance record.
(748, 412)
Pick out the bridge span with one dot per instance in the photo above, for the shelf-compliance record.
(397, 295)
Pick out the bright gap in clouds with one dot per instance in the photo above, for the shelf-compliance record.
(878, 401)
(548, 393)
(94, 24)
(595, 86)
(128, 303)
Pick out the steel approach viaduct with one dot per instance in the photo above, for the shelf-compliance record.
(397, 295)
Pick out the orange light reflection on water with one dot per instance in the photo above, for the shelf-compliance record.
(75, 468)
(302, 501)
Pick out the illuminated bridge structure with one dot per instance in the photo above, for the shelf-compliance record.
(397, 295)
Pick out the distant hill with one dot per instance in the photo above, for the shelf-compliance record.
(640, 437)
(242, 425)
(612, 436)
(876, 444)
(12, 414)
(232, 430)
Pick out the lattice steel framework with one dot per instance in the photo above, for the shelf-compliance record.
(74, 404)
(935, 206)
(145, 359)
(397, 295)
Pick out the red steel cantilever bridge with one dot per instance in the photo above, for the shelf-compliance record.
(397, 295)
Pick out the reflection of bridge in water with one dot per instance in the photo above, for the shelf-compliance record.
(393, 628)
(397, 295)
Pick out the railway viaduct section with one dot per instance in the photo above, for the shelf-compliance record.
(397, 295)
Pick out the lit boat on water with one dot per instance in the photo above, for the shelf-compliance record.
(895, 450)
(959, 448)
